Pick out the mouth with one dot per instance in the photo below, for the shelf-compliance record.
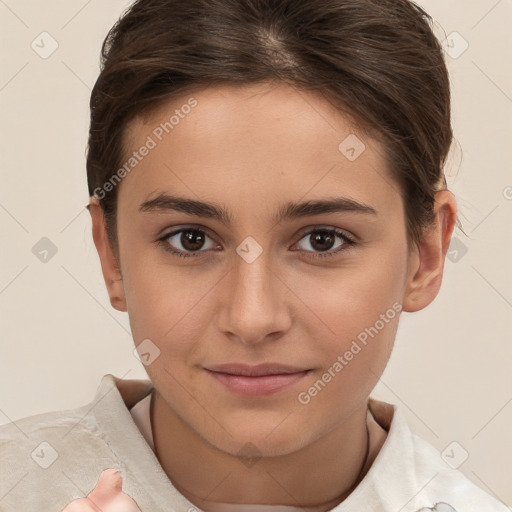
(260, 380)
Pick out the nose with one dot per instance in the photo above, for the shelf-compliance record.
(254, 306)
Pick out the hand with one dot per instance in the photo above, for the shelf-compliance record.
(107, 496)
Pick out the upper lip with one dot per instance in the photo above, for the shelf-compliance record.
(255, 370)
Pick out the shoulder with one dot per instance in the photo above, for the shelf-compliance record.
(51, 457)
(58, 429)
(449, 486)
(63, 426)
(427, 481)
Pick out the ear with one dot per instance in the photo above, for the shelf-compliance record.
(109, 264)
(426, 262)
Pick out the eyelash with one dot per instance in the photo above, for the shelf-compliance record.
(349, 242)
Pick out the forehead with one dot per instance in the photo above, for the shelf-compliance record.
(274, 140)
(262, 110)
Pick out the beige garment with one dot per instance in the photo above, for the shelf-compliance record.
(51, 459)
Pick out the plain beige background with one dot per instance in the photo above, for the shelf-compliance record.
(451, 367)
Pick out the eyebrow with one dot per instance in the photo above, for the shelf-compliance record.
(165, 202)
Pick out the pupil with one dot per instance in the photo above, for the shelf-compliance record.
(318, 238)
(192, 240)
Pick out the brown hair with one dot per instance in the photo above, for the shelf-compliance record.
(377, 60)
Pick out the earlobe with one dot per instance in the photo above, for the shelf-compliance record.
(426, 262)
(109, 264)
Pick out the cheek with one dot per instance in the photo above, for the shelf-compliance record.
(166, 303)
(349, 299)
(356, 312)
(353, 352)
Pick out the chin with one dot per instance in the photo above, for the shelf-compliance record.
(266, 439)
(250, 450)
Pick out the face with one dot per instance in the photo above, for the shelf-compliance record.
(282, 243)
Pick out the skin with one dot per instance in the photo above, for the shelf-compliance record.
(107, 496)
(251, 150)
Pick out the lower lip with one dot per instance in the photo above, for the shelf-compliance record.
(257, 386)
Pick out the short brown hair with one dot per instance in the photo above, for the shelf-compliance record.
(377, 60)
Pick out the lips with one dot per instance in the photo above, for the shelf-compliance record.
(255, 371)
(260, 380)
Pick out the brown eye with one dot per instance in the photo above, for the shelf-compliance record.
(324, 240)
(192, 240)
(187, 241)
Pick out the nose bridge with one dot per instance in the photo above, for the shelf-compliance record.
(252, 280)
(253, 306)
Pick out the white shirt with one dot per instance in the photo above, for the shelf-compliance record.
(51, 459)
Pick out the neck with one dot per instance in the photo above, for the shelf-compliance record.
(317, 476)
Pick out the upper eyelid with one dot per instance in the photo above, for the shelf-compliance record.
(302, 233)
(191, 227)
(323, 227)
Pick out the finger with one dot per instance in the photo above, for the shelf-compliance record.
(109, 485)
(81, 505)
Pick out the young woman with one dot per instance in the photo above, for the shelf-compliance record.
(267, 197)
